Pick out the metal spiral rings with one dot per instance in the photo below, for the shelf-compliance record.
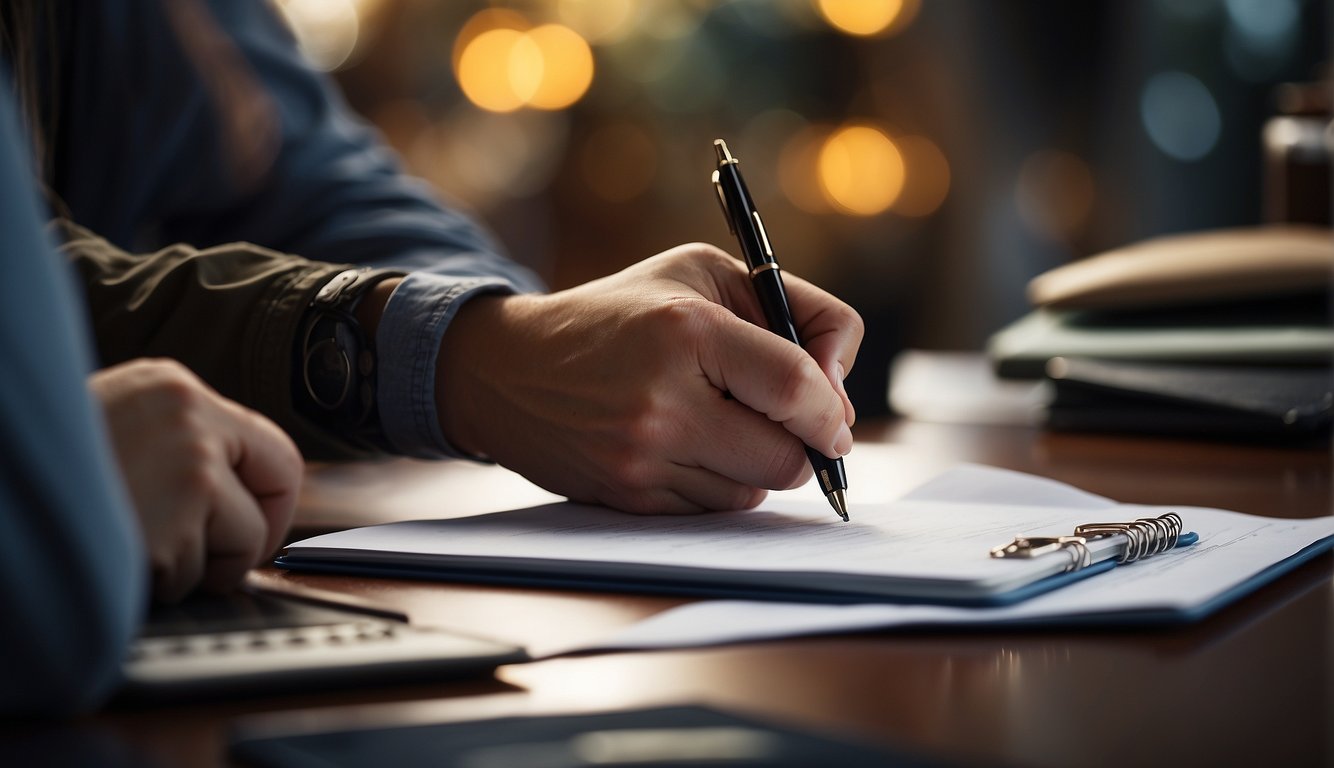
(1145, 537)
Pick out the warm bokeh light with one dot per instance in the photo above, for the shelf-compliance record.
(495, 65)
(861, 170)
(326, 31)
(927, 177)
(485, 21)
(867, 17)
(1055, 193)
(503, 64)
(565, 67)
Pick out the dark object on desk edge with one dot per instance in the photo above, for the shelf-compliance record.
(1269, 403)
(657, 737)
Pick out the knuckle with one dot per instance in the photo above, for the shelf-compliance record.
(851, 319)
(630, 471)
(177, 390)
(742, 497)
(285, 455)
(685, 317)
(199, 480)
(708, 251)
(798, 375)
(636, 504)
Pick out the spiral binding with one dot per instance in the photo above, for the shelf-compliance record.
(1145, 537)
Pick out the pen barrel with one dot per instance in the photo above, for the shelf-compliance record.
(773, 301)
(829, 473)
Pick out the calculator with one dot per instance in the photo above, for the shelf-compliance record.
(256, 642)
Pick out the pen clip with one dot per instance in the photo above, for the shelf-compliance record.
(1034, 546)
(722, 203)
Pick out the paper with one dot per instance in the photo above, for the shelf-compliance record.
(931, 544)
(1233, 549)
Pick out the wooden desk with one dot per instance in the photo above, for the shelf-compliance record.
(1253, 684)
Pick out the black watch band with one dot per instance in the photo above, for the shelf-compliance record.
(333, 382)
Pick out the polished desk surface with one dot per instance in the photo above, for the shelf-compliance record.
(1253, 684)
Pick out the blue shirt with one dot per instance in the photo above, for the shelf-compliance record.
(73, 577)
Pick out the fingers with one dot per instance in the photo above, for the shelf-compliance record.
(178, 569)
(830, 331)
(214, 484)
(216, 534)
(728, 438)
(686, 490)
(707, 490)
(267, 465)
(236, 534)
(778, 379)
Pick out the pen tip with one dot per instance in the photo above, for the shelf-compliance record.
(838, 499)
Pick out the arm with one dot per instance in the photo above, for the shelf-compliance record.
(327, 188)
(229, 313)
(71, 566)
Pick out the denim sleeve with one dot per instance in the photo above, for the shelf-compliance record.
(373, 214)
(72, 577)
(409, 339)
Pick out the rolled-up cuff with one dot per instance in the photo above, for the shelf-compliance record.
(408, 342)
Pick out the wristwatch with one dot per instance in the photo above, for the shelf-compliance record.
(335, 364)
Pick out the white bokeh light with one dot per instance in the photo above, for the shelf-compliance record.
(1180, 115)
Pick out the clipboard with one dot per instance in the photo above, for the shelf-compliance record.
(909, 551)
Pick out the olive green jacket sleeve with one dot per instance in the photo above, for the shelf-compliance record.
(230, 313)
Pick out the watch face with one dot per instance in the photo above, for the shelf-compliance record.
(328, 369)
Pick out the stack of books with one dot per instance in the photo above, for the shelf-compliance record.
(1219, 334)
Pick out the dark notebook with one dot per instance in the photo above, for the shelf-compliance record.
(1239, 402)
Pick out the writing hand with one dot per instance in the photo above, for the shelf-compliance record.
(616, 391)
(214, 483)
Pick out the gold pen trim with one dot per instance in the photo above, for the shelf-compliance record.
(722, 203)
(724, 154)
(764, 236)
(765, 267)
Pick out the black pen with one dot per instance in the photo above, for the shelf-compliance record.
(745, 223)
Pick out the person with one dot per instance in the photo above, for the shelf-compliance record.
(213, 483)
(233, 216)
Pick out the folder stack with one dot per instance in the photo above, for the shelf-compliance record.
(1224, 334)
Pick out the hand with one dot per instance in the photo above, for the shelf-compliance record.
(214, 483)
(616, 391)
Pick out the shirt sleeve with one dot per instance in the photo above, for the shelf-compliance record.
(73, 579)
(302, 175)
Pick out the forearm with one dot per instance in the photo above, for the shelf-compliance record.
(230, 313)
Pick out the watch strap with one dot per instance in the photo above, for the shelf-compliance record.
(335, 365)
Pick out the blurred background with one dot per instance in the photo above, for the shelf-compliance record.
(921, 159)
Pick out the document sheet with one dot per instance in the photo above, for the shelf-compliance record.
(1236, 552)
(931, 544)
